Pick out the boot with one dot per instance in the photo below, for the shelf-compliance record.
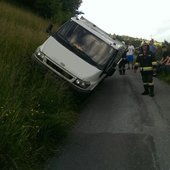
(120, 72)
(151, 91)
(123, 71)
(146, 92)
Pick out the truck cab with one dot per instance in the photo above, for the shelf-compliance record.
(81, 53)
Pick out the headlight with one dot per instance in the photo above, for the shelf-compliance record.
(82, 83)
(40, 55)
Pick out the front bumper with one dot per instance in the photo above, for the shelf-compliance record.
(56, 70)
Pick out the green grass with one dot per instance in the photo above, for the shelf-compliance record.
(36, 110)
(165, 78)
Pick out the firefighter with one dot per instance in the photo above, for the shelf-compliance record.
(146, 62)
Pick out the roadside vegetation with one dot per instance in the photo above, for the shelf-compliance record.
(164, 77)
(56, 10)
(36, 110)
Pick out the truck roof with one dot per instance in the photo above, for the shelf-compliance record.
(98, 32)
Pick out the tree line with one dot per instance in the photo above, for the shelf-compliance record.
(58, 10)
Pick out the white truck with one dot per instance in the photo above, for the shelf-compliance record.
(81, 53)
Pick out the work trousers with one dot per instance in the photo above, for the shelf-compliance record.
(147, 77)
(122, 66)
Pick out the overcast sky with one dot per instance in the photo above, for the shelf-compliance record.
(142, 19)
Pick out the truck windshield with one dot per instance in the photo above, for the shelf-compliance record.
(86, 43)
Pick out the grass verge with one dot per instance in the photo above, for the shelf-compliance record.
(165, 78)
(36, 111)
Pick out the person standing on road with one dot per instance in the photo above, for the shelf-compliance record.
(152, 47)
(129, 54)
(146, 62)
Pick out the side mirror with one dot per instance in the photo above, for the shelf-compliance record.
(49, 28)
(110, 71)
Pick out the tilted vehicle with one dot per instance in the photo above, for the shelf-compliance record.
(81, 53)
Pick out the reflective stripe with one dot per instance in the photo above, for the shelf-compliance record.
(145, 68)
(137, 64)
(154, 63)
(150, 84)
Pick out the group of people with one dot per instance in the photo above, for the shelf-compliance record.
(146, 62)
(164, 63)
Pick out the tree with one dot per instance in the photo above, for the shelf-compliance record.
(58, 10)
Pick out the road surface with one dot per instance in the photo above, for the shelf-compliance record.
(119, 129)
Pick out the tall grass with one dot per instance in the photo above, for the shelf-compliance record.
(36, 110)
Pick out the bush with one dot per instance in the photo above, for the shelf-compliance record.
(58, 10)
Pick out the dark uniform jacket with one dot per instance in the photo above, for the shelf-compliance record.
(145, 62)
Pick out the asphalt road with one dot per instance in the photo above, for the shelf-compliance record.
(119, 129)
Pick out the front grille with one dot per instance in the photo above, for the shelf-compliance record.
(58, 69)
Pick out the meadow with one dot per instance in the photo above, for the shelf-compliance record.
(36, 109)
